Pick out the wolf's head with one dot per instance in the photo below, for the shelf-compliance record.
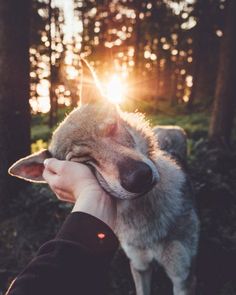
(119, 147)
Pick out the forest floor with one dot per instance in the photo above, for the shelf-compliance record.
(39, 215)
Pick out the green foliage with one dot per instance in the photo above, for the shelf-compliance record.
(38, 146)
(40, 132)
(195, 125)
(40, 129)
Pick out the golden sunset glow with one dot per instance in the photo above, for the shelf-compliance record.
(72, 39)
(115, 90)
(72, 73)
(41, 104)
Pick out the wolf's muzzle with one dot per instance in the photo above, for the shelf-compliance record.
(136, 176)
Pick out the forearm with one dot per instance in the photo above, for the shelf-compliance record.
(75, 262)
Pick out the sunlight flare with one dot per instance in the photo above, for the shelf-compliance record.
(115, 90)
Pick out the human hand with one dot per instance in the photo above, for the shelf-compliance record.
(74, 182)
(69, 179)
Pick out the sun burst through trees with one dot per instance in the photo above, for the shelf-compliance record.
(146, 44)
(115, 90)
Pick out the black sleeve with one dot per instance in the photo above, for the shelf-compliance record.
(76, 262)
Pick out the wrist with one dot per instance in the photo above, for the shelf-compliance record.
(98, 204)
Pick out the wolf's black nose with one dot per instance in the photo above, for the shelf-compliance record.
(136, 176)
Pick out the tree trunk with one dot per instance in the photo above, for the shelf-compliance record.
(168, 72)
(205, 54)
(52, 94)
(14, 91)
(224, 105)
(158, 76)
(174, 98)
(137, 42)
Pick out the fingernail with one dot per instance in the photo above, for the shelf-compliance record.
(45, 162)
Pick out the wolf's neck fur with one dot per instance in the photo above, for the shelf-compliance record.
(143, 215)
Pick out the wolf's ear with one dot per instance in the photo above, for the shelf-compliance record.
(30, 168)
(90, 89)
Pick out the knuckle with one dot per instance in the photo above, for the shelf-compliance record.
(58, 194)
(48, 163)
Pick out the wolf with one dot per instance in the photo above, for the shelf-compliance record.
(156, 218)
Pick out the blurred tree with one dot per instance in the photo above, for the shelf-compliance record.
(140, 9)
(157, 29)
(14, 91)
(39, 59)
(225, 98)
(165, 45)
(55, 50)
(208, 15)
(46, 56)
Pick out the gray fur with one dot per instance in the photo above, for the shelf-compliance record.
(173, 140)
(161, 226)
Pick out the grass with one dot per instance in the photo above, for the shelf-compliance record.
(195, 125)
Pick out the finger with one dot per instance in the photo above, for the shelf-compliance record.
(48, 175)
(52, 179)
(53, 165)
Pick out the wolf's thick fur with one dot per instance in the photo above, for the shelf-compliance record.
(161, 226)
(173, 140)
(158, 223)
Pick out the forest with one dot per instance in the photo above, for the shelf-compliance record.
(173, 60)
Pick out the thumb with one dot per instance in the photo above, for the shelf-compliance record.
(53, 165)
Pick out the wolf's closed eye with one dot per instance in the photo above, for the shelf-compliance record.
(84, 160)
(82, 157)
